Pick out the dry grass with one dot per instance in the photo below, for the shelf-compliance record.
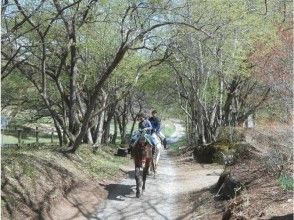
(263, 195)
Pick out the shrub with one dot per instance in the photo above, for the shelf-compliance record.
(286, 182)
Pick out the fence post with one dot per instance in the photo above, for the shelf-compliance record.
(52, 136)
(19, 136)
(37, 135)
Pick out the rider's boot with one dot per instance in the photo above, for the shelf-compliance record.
(164, 143)
(129, 149)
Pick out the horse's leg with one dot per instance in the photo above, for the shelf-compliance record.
(156, 158)
(145, 171)
(138, 181)
(153, 165)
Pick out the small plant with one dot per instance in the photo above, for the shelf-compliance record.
(286, 182)
(275, 161)
(175, 147)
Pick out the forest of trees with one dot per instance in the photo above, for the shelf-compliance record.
(87, 64)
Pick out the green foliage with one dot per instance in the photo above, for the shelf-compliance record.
(15, 89)
(286, 182)
(230, 31)
(175, 147)
(20, 100)
(155, 78)
(240, 28)
(168, 128)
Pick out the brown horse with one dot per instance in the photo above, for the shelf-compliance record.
(142, 154)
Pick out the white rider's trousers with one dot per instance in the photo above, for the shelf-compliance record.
(156, 135)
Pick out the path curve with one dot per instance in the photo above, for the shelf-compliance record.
(160, 198)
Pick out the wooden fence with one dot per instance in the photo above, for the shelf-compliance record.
(23, 133)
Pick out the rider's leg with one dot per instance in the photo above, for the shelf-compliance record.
(152, 140)
(161, 135)
(164, 142)
(163, 139)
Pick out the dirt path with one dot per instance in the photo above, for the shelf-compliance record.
(160, 198)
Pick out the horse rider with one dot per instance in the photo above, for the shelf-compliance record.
(143, 125)
(156, 127)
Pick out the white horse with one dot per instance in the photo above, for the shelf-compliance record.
(158, 148)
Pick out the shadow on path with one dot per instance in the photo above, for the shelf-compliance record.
(119, 191)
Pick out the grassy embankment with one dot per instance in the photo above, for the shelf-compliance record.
(32, 179)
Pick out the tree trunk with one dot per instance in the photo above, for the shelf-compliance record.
(106, 127)
(89, 137)
(114, 136)
(100, 130)
(59, 133)
(133, 126)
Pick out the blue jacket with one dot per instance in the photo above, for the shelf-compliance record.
(155, 122)
(146, 125)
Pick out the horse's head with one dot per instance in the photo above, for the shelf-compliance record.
(142, 139)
